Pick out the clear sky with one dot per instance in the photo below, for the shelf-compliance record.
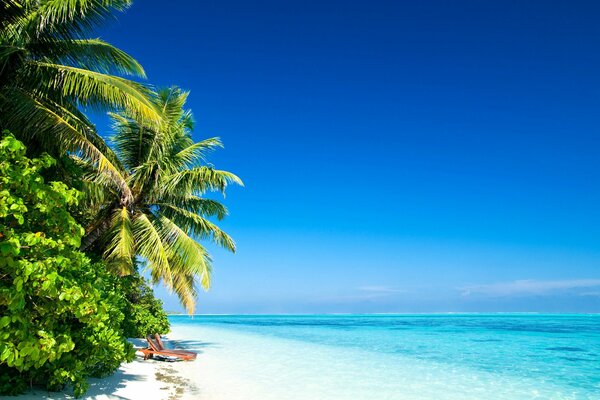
(398, 156)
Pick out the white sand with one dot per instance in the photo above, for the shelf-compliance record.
(146, 380)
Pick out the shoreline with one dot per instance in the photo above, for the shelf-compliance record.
(378, 360)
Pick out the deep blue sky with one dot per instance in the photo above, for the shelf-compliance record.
(398, 155)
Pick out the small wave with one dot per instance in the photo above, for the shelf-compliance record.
(565, 348)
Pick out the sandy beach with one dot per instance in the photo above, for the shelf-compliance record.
(140, 379)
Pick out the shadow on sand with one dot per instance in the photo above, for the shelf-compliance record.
(193, 345)
(100, 388)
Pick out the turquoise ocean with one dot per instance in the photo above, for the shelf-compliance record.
(442, 356)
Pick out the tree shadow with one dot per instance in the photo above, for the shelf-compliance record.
(194, 345)
(103, 386)
(100, 388)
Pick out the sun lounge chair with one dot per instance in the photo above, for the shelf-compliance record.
(157, 344)
(169, 356)
(158, 349)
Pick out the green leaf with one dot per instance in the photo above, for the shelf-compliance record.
(18, 282)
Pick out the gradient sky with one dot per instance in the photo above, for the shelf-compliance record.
(398, 156)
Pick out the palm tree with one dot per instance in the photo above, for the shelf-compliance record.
(50, 72)
(158, 211)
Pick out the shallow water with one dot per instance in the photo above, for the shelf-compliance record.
(450, 356)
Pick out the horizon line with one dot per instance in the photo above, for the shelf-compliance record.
(391, 313)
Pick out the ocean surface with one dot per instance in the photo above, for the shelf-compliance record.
(413, 357)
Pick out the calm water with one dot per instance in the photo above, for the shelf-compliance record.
(500, 356)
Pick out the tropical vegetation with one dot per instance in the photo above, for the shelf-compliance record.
(49, 70)
(60, 313)
(82, 218)
(144, 313)
(157, 210)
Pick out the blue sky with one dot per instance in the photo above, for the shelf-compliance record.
(398, 156)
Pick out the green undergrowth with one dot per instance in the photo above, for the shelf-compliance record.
(63, 317)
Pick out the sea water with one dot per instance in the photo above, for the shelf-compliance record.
(412, 357)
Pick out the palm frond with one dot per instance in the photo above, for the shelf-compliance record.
(193, 204)
(92, 89)
(188, 258)
(91, 54)
(199, 180)
(10, 12)
(198, 226)
(194, 153)
(184, 286)
(171, 101)
(67, 18)
(150, 247)
(60, 129)
(121, 247)
(130, 139)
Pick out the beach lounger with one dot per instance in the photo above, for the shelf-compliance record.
(158, 349)
(167, 355)
(158, 345)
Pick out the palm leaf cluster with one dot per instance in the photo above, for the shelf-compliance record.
(50, 71)
(144, 196)
(162, 212)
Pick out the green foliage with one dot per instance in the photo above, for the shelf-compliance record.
(144, 314)
(60, 314)
(50, 70)
(147, 200)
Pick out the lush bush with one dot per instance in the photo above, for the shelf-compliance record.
(60, 314)
(144, 314)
